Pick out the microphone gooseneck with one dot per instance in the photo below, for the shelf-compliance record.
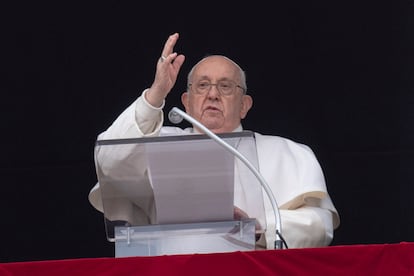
(176, 115)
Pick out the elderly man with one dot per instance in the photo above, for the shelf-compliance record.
(217, 97)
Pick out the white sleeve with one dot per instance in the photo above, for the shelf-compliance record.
(137, 120)
(307, 227)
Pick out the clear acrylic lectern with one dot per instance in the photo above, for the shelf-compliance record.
(178, 194)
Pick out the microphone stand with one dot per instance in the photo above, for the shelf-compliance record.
(279, 241)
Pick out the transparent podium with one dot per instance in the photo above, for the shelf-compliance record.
(181, 194)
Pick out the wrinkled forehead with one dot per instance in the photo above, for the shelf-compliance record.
(216, 68)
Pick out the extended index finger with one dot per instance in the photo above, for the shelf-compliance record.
(169, 45)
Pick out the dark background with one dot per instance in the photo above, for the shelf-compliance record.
(335, 76)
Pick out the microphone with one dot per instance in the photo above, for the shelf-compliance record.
(176, 115)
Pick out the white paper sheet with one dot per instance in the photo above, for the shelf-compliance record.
(192, 182)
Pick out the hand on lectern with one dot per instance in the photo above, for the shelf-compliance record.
(239, 214)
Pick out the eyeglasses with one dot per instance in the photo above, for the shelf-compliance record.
(225, 87)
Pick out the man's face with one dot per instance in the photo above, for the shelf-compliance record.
(219, 113)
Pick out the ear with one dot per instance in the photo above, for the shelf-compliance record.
(184, 100)
(247, 102)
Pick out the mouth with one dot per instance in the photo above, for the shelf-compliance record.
(211, 108)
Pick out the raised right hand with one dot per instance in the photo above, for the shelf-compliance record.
(168, 67)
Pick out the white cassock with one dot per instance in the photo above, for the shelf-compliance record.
(291, 170)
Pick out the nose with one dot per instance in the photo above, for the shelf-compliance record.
(213, 92)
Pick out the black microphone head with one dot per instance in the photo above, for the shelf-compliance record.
(174, 117)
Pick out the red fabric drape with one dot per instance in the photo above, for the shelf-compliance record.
(378, 259)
